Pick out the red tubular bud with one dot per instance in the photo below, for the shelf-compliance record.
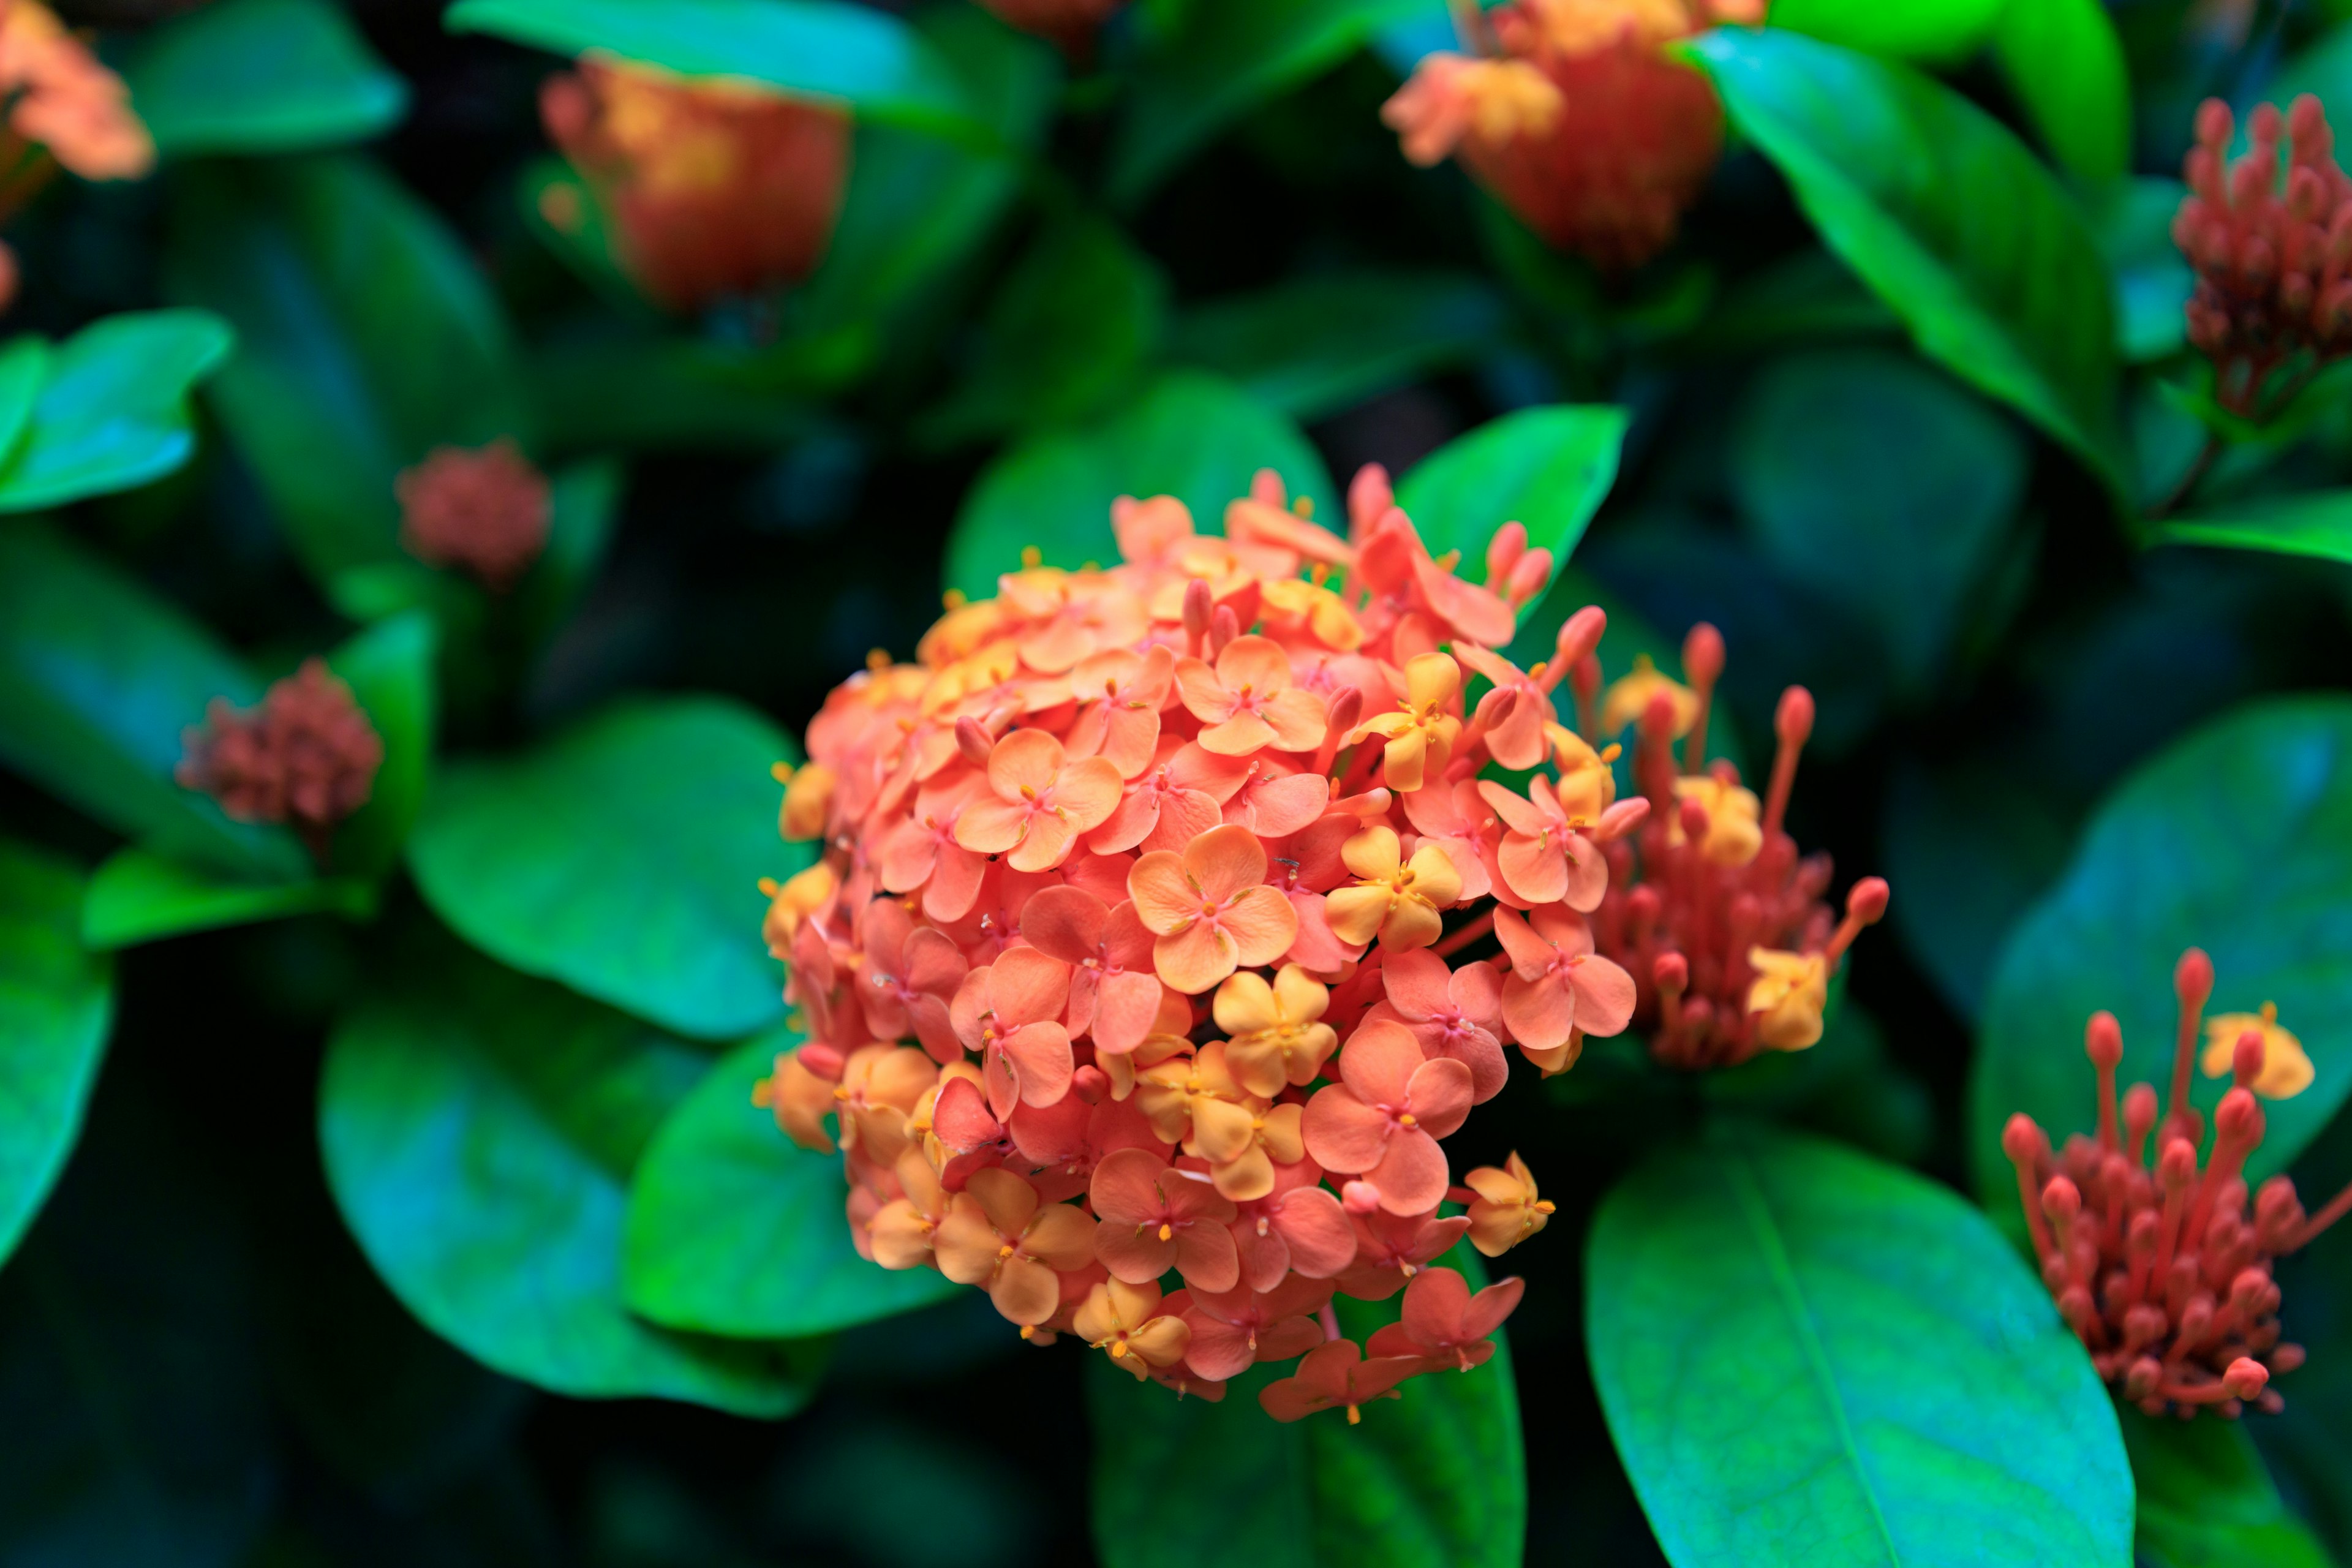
(1579, 635)
(1197, 607)
(1347, 709)
(2142, 1376)
(1089, 1083)
(2177, 1167)
(1701, 655)
(2103, 1041)
(1370, 497)
(1585, 677)
(1792, 722)
(2215, 124)
(2061, 1200)
(1359, 1198)
(1694, 821)
(2139, 1114)
(1866, 903)
(2246, 1059)
(973, 742)
(2265, 125)
(1503, 553)
(1530, 577)
(2023, 1140)
(1223, 628)
(2250, 1293)
(2285, 1358)
(2246, 1378)
(1671, 975)
(824, 1058)
(2238, 1118)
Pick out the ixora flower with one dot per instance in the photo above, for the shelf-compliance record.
(307, 757)
(1124, 968)
(2151, 1253)
(485, 509)
(64, 110)
(1572, 114)
(712, 186)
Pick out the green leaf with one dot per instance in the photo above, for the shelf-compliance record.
(1190, 436)
(389, 667)
(2066, 66)
(138, 895)
(1222, 58)
(1971, 845)
(1436, 1476)
(1946, 215)
(368, 337)
(261, 76)
(622, 858)
(639, 392)
(1809, 1357)
(1549, 468)
(1316, 346)
(2132, 221)
(1872, 479)
(2206, 1500)
(113, 412)
(868, 59)
(24, 370)
(480, 1131)
(734, 1229)
(2304, 522)
(2323, 68)
(57, 1007)
(585, 506)
(98, 680)
(2236, 839)
(1937, 31)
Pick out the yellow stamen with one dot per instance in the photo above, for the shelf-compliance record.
(954, 599)
(782, 773)
(1355, 1417)
(1167, 1231)
(1031, 557)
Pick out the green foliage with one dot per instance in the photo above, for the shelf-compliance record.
(2066, 66)
(2304, 522)
(57, 1004)
(620, 859)
(1547, 469)
(137, 896)
(1945, 31)
(261, 76)
(1806, 1356)
(111, 413)
(2206, 1501)
(2132, 220)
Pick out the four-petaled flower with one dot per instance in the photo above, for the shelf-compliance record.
(1247, 701)
(1211, 909)
(1395, 900)
(1420, 730)
(1124, 1321)
(1044, 800)
(1333, 1375)
(1445, 1326)
(1276, 1033)
(1386, 1114)
(1505, 1207)
(996, 1234)
(1544, 858)
(1234, 1330)
(1010, 1011)
(1156, 1217)
(1114, 991)
(1560, 990)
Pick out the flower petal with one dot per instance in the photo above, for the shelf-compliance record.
(1343, 1133)
(1064, 922)
(1378, 1061)
(1412, 1174)
(1165, 899)
(1194, 958)
(1223, 861)
(1262, 925)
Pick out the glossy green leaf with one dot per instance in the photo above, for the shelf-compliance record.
(137, 896)
(113, 412)
(261, 76)
(2236, 839)
(57, 1005)
(1809, 1357)
(1939, 31)
(863, 57)
(1868, 476)
(389, 669)
(99, 679)
(1319, 345)
(2301, 522)
(1943, 211)
(24, 370)
(1436, 1475)
(1191, 435)
(367, 337)
(2066, 66)
(480, 1131)
(2207, 1502)
(2132, 221)
(1549, 468)
(2322, 67)
(1221, 60)
(622, 858)
(734, 1229)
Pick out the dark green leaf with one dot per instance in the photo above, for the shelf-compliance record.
(1191, 435)
(1436, 1476)
(98, 679)
(2132, 221)
(1869, 477)
(1971, 845)
(2066, 66)
(645, 393)
(586, 504)
(480, 1131)
(1947, 214)
(368, 337)
(1940, 31)
(1809, 1357)
(2323, 68)
(112, 412)
(2206, 1501)
(734, 1229)
(2237, 839)
(24, 370)
(57, 1004)
(261, 76)
(389, 669)
(1319, 345)
(866, 58)
(138, 895)
(1547, 469)
(621, 859)
(2304, 523)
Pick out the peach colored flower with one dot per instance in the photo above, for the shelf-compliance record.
(1010, 1011)
(1544, 858)
(1120, 693)
(902, 1231)
(1392, 1249)
(1247, 701)
(1395, 900)
(1558, 984)
(1234, 1330)
(1114, 991)
(1455, 1013)
(1505, 1207)
(1445, 1327)
(1211, 910)
(1386, 1114)
(1333, 1375)
(1790, 991)
(1155, 1218)
(997, 1235)
(1044, 800)
(1125, 1321)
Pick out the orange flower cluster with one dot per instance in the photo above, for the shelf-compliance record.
(1709, 906)
(307, 755)
(2272, 268)
(1573, 115)
(2162, 1273)
(487, 509)
(64, 109)
(711, 187)
(1112, 872)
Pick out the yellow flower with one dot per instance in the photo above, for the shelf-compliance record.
(1395, 901)
(792, 901)
(1276, 1036)
(1789, 992)
(1507, 1209)
(1630, 697)
(1733, 832)
(1421, 731)
(808, 796)
(2286, 1068)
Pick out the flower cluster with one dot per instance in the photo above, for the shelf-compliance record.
(487, 509)
(2272, 291)
(1573, 115)
(2158, 1267)
(711, 187)
(1110, 875)
(307, 755)
(64, 109)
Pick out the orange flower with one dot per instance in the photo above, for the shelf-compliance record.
(997, 1235)
(1211, 909)
(1044, 801)
(1334, 1375)
(1125, 1322)
(1247, 700)
(1396, 900)
(1504, 1209)
(1421, 731)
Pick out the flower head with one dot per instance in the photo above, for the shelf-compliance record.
(307, 755)
(486, 509)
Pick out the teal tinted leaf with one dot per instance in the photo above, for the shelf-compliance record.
(2207, 1502)
(24, 370)
(1971, 845)
(1190, 436)
(585, 509)
(138, 895)
(2132, 221)
(1223, 58)
(112, 412)
(734, 1229)
(2236, 839)
(2323, 68)
(2066, 66)
(57, 1004)
(1941, 31)
(480, 1131)
(99, 679)
(1868, 476)
(261, 76)
(870, 61)
(2305, 523)
(1434, 1476)
(1318, 345)
(639, 392)
(367, 337)
(622, 858)
(1941, 210)
(389, 667)
(1809, 1357)
(1549, 468)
